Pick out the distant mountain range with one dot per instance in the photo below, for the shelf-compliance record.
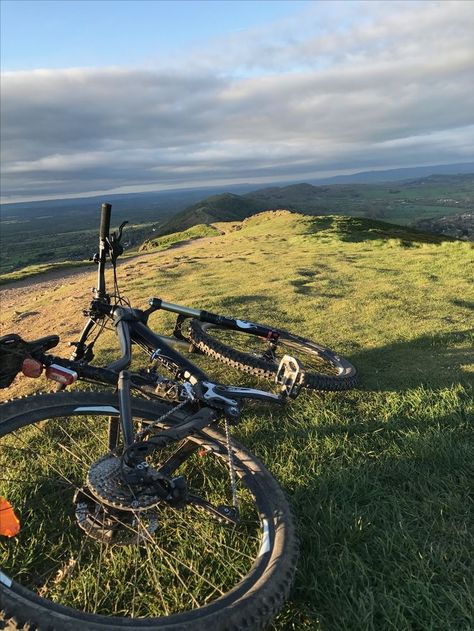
(179, 198)
(393, 175)
(406, 202)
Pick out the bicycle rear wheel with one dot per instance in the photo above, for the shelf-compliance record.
(80, 564)
(324, 369)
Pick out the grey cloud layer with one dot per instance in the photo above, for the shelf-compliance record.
(387, 98)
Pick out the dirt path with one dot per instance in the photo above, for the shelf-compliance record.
(18, 292)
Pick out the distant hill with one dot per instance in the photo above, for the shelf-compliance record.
(405, 203)
(225, 207)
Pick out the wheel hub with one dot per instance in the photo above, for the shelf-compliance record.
(112, 526)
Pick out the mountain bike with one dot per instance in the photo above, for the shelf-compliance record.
(136, 509)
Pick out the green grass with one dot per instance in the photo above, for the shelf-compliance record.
(196, 232)
(380, 479)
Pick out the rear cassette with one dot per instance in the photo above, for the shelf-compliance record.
(105, 482)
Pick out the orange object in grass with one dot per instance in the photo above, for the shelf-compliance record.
(9, 522)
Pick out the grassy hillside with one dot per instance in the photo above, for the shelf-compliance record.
(66, 230)
(380, 479)
(224, 207)
(403, 203)
(177, 238)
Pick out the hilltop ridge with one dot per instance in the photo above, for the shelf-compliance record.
(222, 207)
(406, 203)
(279, 223)
(49, 236)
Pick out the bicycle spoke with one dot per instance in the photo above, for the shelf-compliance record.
(222, 545)
(166, 554)
(184, 562)
(152, 568)
(134, 582)
(101, 552)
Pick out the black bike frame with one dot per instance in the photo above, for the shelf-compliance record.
(131, 330)
(139, 332)
(213, 318)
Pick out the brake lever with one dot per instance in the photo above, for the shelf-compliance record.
(116, 249)
(121, 227)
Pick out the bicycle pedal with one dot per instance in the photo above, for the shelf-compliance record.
(289, 376)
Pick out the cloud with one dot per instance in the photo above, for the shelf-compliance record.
(364, 85)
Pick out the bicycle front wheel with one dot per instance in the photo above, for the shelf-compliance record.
(78, 563)
(323, 368)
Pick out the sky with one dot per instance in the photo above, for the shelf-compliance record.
(116, 96)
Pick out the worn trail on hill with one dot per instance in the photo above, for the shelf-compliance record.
(17, 292)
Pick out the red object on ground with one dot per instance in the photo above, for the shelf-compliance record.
(9, 522)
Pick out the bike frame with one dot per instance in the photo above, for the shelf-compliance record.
(137, 330)
(132, 328)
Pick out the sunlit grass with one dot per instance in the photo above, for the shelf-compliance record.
(380, 479)
(195, 232)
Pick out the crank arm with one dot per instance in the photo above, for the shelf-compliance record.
(228, 397)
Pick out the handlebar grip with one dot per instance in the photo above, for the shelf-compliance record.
(106, 211)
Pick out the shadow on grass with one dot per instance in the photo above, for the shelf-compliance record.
(235, 304)
(380, 480)
(437, 360)
(306, 277)
(464, 303)
(356, 230)
(385, 542)
(384, 517)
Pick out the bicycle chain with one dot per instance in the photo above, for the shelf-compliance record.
(230, 451)
(150, 426)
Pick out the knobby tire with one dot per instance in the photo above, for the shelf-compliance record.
(315, 359)
(46, 444)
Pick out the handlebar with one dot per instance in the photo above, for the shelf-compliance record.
(106, 211)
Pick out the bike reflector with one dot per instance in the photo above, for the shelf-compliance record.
(31, 367)
(9, 522)
(61, 374)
